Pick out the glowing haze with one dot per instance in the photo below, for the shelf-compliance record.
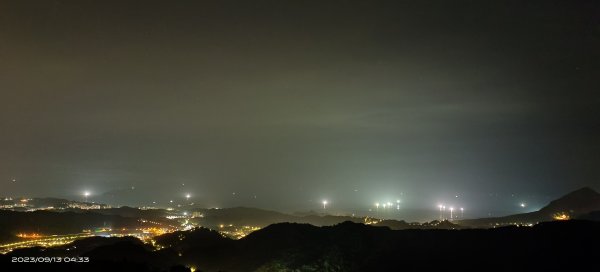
(286, 104)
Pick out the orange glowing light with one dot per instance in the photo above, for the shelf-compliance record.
(561, 216)
(29, 235)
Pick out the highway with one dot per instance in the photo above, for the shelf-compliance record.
(46, 241)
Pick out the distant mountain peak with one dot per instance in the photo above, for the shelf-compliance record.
(572, 205)
(584, 190)
(580, 201)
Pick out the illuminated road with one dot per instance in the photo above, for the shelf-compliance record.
(48, 241)
(144, 234)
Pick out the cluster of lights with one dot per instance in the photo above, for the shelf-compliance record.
(47, 241)
(87, 206)
(561, 216)
(234, 232)
(29, 235)
(371, 220)
(388, 205)
(443, 210)
(35, 239)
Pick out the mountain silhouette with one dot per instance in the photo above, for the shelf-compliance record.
(576, 204)
(550, 246)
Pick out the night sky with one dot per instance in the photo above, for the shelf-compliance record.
(281, 104)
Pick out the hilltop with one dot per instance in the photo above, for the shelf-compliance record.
(344, 247)
(581, 203)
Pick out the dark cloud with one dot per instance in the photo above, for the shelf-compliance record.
(294, 101)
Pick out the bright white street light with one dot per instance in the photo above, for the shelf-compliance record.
(324, 204)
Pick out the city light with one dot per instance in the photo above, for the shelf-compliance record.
(416, 109)
(561, 216)
(443, 212)
(43, 241)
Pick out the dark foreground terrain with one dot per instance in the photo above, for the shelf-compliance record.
(343, 247)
